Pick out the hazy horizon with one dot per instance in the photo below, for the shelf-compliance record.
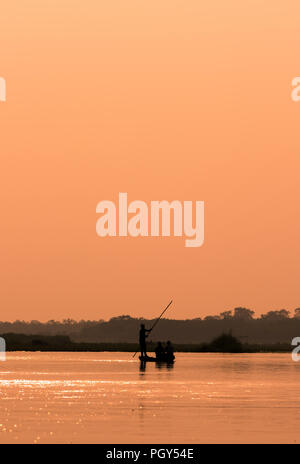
(165, 317)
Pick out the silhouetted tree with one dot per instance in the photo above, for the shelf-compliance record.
(276, 315)
(297, 313)
(226, 315)
(226, 343)
(243, 313)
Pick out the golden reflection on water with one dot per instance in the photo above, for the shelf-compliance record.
(111, 398)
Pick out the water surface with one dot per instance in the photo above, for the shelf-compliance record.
(108, 398)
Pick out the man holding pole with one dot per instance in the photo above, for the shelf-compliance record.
(143, 336)
(143, 333)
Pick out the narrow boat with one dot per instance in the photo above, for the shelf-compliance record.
(164, 359)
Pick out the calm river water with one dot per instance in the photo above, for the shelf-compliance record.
(107, 398)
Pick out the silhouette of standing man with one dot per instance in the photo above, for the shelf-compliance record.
(143, 336)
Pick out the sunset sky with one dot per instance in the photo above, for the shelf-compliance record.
(164, 100)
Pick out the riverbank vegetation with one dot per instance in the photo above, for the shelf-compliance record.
(273, 327)
(225, 343)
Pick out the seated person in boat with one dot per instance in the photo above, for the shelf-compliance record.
(159, 351)
(169, 351)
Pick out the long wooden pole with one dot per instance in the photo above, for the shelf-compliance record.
(157, 321)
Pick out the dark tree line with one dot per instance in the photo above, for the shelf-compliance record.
(277, 326)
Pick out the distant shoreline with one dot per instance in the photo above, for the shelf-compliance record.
(272, 328)
(20, 342)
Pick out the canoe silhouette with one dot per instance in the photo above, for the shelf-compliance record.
(168, 359)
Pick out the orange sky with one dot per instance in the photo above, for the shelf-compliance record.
(163, 100)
